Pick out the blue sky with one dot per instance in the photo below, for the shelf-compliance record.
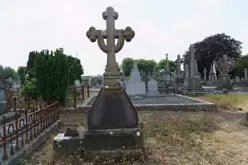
(161, 26)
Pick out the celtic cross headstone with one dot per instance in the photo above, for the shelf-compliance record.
(112, 112)
(111, 74)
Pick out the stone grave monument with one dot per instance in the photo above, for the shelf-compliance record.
(186, 76)
(197, 73)
(135, 86)
(167, 77)
(178, 71)
(205, 74)
(245, 75)
(224, 65)
(194, 84)
(152, 85)
(112, 119)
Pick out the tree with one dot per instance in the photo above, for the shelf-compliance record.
(212, 48)
(146, 66)
(75, 69)
(162, 63)
(22, 72)
(31, 64)
(31, 59)
(7, 72)
(31, 89)
(52, 75)
(242, 63)
(126, 66)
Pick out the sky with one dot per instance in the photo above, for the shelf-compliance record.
(161, 26)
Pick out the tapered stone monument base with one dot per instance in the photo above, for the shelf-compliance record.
(224, 82)
(192, 87)
(112, 122)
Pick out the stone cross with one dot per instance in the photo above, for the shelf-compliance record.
(196, 67)
(154, 72)
(178, 66)
(205, 74)
(192, 61)
(245, 74)
(214, 71)
(111, 75)
(186, 71)
(225, 69)
(167, 69)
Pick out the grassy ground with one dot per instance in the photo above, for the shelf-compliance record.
(191, 139)
(230, 102)
(174, 139)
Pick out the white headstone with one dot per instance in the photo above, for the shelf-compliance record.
(135, 86)
(152, 87)
(77, 83)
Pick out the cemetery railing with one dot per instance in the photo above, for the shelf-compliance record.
(18, 133)
(77, 94)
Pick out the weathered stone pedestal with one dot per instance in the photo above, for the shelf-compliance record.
(112, 122)
(112, 126)
(193, 87)
(224, 82)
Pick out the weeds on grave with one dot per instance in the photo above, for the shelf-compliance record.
(164, 138)
(226, 102)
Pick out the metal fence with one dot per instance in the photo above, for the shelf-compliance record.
(18, 133)
(76, 95)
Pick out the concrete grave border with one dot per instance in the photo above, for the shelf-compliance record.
(200, 105)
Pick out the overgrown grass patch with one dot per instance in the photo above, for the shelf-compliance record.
(227, 102)
(192, 139)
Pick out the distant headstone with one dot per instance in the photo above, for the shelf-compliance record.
(186, 76)
(193, 85)
(77, 83)
(205, 74)
(135, 86)
(197, 73)
(224, 66)
(167, 77)
(245, 74)
(178, 67)
(152, 85)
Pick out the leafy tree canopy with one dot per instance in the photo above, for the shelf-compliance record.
(213, 48)
(7, 72)
(146, 66)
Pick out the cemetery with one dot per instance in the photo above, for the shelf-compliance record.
(171, 112)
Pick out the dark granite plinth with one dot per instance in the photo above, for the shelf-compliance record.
(112, 109)
(224, 82)
(113, 139)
